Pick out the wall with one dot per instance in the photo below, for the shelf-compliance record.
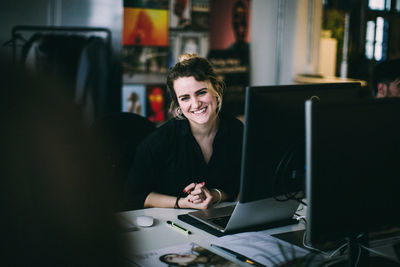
(285, 38)
(283, 43)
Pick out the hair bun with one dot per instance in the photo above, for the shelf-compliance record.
(186, 56)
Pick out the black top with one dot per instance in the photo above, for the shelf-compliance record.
(170, 159)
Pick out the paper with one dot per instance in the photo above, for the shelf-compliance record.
(189, 254)
(261, 247)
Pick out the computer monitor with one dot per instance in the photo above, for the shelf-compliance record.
(273, 160)
(352, 176)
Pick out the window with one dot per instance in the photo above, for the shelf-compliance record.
(375, 40)
(379, 4)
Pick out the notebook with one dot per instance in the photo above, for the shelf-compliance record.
(241, 216)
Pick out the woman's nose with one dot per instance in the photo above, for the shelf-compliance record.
(196, 103)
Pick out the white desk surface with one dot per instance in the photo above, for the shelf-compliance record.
(160, 235)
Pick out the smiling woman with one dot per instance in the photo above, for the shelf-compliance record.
(193, 160)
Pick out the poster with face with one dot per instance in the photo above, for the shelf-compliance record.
(145, 36)
(157, 103)
(145, 27)
(230, 49)
(189, 254)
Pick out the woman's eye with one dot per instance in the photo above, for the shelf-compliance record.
(202, 92)
(184, 98)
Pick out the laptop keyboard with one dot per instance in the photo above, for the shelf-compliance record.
(221, 221)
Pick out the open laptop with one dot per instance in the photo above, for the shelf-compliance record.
(245, 215)
(273, 156)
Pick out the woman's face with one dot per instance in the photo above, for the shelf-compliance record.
(196, 101)
(180, 259)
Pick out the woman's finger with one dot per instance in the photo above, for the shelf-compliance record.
(189, 188)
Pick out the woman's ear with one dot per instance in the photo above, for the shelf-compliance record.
(382, 90)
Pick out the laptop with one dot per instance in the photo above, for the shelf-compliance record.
(239, 216)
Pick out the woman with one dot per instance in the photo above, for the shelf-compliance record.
(193, 160)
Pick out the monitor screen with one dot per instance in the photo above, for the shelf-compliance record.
(352, 177)
(273, 160)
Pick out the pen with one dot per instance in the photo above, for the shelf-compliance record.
(239, 256)
(179, 228)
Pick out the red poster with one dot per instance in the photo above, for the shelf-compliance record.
(145, 27)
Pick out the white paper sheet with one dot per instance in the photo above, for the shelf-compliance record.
(261, 247)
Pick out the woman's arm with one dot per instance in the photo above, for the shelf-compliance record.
(159, 200)
(197, 198)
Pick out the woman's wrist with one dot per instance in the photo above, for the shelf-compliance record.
(177, 206)
(218, 194)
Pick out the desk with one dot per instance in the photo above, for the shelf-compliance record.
(160, 235)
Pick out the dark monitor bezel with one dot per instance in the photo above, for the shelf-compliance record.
(352, 157)
(260, 102)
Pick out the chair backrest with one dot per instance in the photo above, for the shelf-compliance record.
(121, 133)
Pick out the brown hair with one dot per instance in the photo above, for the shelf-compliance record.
(191, 65)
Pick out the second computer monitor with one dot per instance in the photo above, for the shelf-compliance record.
(273, 160)
(353, 176)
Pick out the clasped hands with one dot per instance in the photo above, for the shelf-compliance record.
(198, 196)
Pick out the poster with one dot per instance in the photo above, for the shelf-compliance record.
(157, 102)
(230, 49)
(200, 15)
(134, 99)
(145, 27)
(187, 42)
(180, 15)
(142, 59)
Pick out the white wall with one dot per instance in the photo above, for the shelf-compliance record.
(283, 43)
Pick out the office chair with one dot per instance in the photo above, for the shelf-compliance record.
(120, 133)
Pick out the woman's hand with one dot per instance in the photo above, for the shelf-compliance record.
(199, 197)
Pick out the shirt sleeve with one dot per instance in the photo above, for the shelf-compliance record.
(142, 177)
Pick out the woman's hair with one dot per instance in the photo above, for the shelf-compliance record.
(165, 259)
(191, 65)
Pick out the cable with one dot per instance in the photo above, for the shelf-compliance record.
(310, 247)
(321, 251)
(281, 170)
(358, 256)
(337, 250)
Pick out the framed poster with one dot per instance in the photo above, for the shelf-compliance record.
(187, 42)
(200, 15)
(180, 15)
(134, 99)
(157, 103)
(144, 59)
(145, 27)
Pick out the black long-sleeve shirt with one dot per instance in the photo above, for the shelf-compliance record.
(170, 159)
